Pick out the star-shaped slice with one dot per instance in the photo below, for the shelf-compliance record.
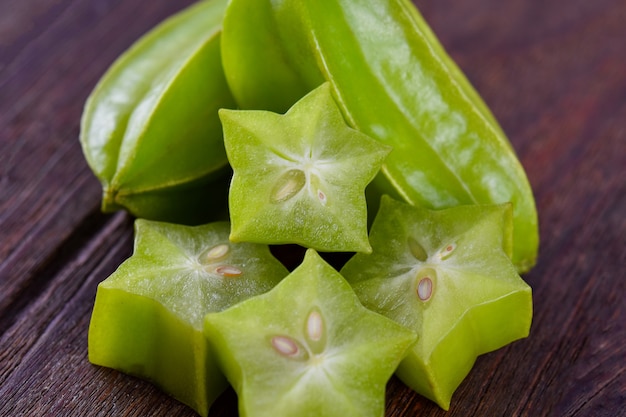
(148, 315)
(308, 348)
(300, 177)
(446, 275)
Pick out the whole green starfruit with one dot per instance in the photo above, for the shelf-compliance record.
(393, 81)
(150, 129)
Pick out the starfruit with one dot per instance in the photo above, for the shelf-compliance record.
(300, 177)
(308, 348)
(148, 315)
(150, 129)
(393, 81)
(446, 275)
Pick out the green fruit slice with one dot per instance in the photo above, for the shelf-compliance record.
(308, 348)
(300, 177)
(150, 129)
(393, 81)
(446, 275)
(147, 317)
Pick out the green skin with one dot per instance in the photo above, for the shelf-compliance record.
(300, 177)
(150, 130)
(447, 276)
(338, 367)
(147, 317)
(393, 81)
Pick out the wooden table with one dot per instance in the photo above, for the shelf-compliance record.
(554, 74)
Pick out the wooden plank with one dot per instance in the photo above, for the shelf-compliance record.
(42, 315)
(44, 368)
(58, 52)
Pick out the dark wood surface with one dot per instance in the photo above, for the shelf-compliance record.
(554, 74)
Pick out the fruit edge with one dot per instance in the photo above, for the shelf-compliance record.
(138, 336)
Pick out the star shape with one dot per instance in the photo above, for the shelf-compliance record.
(152, 307)
(308, 348)
(446, 275)
(300, 177)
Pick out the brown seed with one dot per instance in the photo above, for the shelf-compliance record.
(228, 271)
(447, 251)
(288, 185)
(285, 345)
(425, 289)
(322, 197)
(315, 326)
(217, 252)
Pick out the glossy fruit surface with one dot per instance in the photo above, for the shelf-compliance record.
(300, 177)
(308, 348)
(147, 317)
(393, 81)
(150, 129)
(446, 275)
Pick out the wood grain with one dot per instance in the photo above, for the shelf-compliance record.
(554, 74)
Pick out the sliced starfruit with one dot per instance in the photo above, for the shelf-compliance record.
(150, 129)
(147, 317)
(393, 81)
(300, 177)
(446, 275)
(308, 348)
